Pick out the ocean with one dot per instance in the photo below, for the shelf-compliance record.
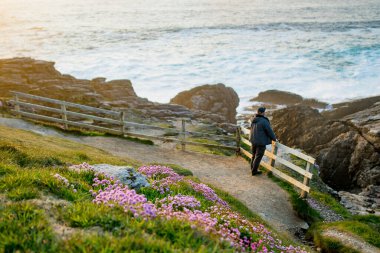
(325, 49)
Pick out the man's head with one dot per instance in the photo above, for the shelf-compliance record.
(261, 110)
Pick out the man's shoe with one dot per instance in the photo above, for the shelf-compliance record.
(257, 173)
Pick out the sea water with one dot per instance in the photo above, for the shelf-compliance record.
(325, 49)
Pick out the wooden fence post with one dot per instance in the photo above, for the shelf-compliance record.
(274, 152)
(306, 181)
(17, 106)
(122, 128)
(238, 139)
(183, 135)
(64, 116)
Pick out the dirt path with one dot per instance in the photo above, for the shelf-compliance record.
(231, 174)
(351, 241)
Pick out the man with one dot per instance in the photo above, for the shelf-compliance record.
(261, 135)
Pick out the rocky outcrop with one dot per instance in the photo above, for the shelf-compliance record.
(214, 104)
(368, 201)
(343, 109)
(41, 78)
(278, 97)
(347, 149)
(216, 99)
(299, 126)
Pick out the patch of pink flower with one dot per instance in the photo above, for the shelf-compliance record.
(238, 231)
(65, 181)
(82, 167)
(178, 202)
(183, 208)
(219, 219)
(113, 193)
(163, 177)
(207, 192)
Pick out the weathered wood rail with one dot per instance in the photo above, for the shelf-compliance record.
(273, 158)
(62, 112)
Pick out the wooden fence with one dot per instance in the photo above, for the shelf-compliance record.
(273, 158)
(71, 114)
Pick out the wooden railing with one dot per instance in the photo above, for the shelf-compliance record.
(62, 112)
(273, 158)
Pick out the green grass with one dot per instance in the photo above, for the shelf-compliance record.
(28, 163)
(24, 228)
(17, 185)
(148, 237)
(327, 244)
(298, 161)
(85, 214)
(370, 219)
(363, 230)
(173, 235)
(83, 132)
(302, 208)
(207, 150)
(331, 202)
(365, 227)
(26, 149)
(176, 235)
(22, 193)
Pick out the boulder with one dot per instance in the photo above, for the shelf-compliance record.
(41, 78)
(126, 175)
(215, 99)
(278, 97)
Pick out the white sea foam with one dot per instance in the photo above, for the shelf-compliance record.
(326, 49)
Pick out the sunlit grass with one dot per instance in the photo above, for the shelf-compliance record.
(28, 149)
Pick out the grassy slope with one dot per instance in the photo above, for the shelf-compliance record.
(27, 163)
(34, 205)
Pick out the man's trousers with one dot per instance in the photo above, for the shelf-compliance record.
(257, 154)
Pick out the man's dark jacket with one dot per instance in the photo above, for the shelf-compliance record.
(261, 131)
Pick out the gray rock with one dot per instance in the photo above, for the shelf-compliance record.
(359, 204)
(125, 174)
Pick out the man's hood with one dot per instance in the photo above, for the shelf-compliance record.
(258, 118)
